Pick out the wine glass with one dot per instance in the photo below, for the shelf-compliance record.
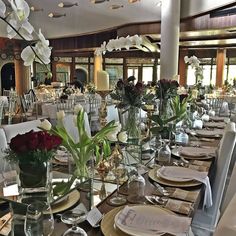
(39, 219)
(74, 218)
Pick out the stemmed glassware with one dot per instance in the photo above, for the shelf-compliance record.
(119, 171)
(74, 218)
(39, 219)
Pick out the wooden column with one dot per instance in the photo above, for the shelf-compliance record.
(22, 77)
(220, 63)
(182, 68)
(72, 69)
(54, 71)
(154, 74)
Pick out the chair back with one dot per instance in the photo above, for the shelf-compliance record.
(1, 111)
(66, 105)
(20, 128)
(230, 191)
(226, 225)
(225, 152)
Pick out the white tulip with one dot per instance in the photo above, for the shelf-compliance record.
(78, 108)
(112, 137)
(60, 115)
(2, 8)
(117, 127)
(46, 125)
(122, 136)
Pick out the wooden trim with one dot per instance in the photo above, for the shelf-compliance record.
(220, 63)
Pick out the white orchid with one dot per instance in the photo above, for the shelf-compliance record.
(119, 43)
(19, 20)
(193, 61)
(46, 125)
(2, 9)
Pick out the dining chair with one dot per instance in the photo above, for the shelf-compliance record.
(216, 104)
(230, 190)
(72, 129)
(1, 111)
(13, 129)
(3, 147)
(227, 223)
(66, 105)
(205, 220)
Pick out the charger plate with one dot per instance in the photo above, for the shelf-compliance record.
(73, 198)
(177, 153)
(153, 175)
(217, 133)
(109, 227)
(174, 179)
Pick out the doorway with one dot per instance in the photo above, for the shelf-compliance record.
(81, 75)
(8, 76)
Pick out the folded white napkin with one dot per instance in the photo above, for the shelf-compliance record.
(151, 223)
(186, 173)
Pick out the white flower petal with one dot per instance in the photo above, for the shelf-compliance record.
(46, 125)
(78, 108)
(60, 115)
(2, 8)
(28, 56)
(122, 136)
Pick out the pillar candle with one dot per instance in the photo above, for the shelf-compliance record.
(102, 80)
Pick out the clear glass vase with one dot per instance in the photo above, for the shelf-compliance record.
(164, 154)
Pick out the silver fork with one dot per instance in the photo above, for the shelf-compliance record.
(161, 189)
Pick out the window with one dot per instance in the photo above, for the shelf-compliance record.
(147, 74)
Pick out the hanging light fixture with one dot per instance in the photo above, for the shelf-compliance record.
(133, 1)
(98, 1)
(56, 15)
(35, 9)
(67, 4)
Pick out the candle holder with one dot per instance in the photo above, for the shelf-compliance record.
(150, 111)
(103, 108)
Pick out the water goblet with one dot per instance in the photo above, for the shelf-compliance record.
(39, 219)
(74, 218)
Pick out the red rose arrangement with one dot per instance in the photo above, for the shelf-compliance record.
(33, 146)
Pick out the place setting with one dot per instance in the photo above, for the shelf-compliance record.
(143, 220)
(194, 153)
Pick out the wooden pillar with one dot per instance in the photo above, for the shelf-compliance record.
(22, 77)
(54, 71)
(125, 69)
(72, 69)
(140, 73)
(182, 68)
(220, 63)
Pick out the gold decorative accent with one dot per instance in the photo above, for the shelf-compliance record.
(103, 108)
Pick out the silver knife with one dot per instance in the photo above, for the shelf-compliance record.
(161, 189)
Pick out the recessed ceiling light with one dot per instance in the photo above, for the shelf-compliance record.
(116, 7)
(35, 9)
(133, 1)
(98, 1)
(67, 4)
(55, 15)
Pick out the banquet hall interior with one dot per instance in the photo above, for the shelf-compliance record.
(139, 97)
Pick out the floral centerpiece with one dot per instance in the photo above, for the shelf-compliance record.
(32, 151)
(84, 150)
(172, 107)
(130, 99)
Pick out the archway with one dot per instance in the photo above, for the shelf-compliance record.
(81, 75)
(8, 76)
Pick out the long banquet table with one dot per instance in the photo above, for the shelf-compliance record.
(104, 207)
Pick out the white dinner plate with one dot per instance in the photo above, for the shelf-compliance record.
(142, 209)
(171, 178)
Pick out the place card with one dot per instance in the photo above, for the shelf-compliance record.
(94, 216)
(11, 190)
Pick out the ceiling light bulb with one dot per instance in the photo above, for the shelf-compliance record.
(67, 4)
(33, 8)
(55, 15)
(98, 1)
(115, 7)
